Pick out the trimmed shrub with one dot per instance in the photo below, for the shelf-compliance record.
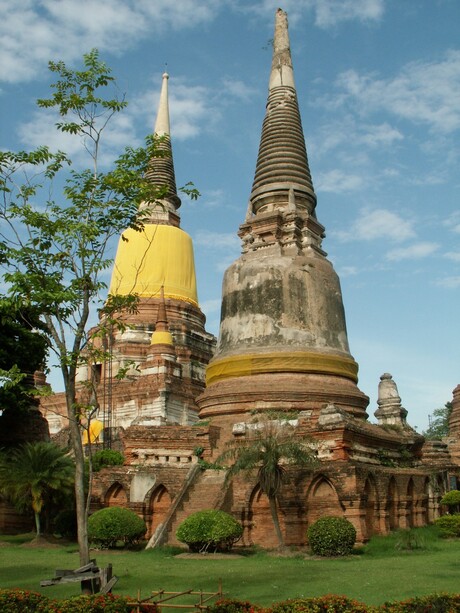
(330, 603)
(434, 603)
(24, 601)
(209, 530)
(449, 526)
(112, 524)
(97, 603)
(107, 457)
(232, 605)
(452, 500)
(331, 536)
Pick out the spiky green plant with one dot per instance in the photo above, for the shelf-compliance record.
(31, 473)
(266, 451)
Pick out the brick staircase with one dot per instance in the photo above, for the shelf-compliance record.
(206, 492)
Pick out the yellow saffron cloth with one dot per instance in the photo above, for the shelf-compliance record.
(95, 430)
(160, 337)
(295, 361)
(157, 256)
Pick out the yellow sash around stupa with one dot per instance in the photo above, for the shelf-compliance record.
(159, 255)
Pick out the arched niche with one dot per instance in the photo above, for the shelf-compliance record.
(411, 504)
(261, 530)
(158, 506)
(425, 502)
(322, 499)
(393, 505)
(116, 496)
(370, 503)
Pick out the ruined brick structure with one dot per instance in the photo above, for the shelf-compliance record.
(282, 347)
(164, 348)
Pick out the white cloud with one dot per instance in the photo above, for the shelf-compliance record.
(191, 107)
(216, 240)
(423, 92)
(212, 198)
(191, 111)
(347, 133)
(378, 224)
(338, 181)
(332, 12)
(211, 306)
(449, 282)
(328, 13)
(41, 128)
(453, 255)
(348, 271)
(452, 222)
(46, 29)
(413, 252)
(238, 89)
(379, 135)
(436, 177)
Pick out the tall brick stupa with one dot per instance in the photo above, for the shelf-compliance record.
(166, 338)
(283, 339)
(165, 347)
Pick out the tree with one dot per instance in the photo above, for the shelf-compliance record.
(451, 500)
(30, 474)
(22, 351)
(55, 252)
(271, 446)
(439, 422)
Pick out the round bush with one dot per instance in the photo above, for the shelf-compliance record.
(14, 600)
(98, 603)
(449, 526)
(331, 536)
(232, 605)
(451, 499)
(209, 530)
(328, 602)
(108, 526)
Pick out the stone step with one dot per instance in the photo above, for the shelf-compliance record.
(205, 493)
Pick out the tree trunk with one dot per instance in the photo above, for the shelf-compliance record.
(276, 521)
(37, 523)
(80, 498)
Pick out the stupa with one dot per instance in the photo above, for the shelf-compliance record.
(283, 339)
(164, 347)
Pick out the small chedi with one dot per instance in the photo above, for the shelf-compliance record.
(282, 354)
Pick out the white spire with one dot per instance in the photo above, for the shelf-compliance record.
(162, 123)
(281, 72)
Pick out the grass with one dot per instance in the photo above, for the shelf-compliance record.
(374, 574)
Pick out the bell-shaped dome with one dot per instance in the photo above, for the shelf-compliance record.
(159, 255)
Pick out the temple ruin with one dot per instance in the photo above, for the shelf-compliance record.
(282, 352)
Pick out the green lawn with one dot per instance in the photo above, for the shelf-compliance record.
(377, 573)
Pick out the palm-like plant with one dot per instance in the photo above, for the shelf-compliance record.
(272, 445)
(30, 474)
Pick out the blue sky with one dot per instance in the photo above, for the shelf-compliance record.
(379, 91)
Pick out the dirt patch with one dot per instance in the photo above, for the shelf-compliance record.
(44, 542)
(286, 552)
(209, 556)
